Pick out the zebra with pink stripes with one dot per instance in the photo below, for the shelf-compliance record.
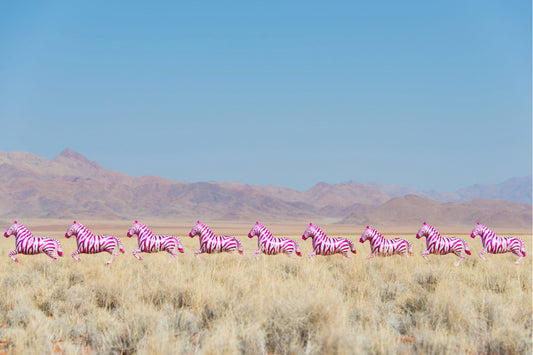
(150, 243)
(324, 245)
(27, 244)
(385, 247)
(271, 245)
(442, 245)
(88, 243)
(210, 243)
(498, 245)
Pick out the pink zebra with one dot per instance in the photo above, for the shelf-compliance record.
(88, 243)
(27, 244)
(442, 245)
(385, 247)
(150, 243)
(498, 245)
(270, 245)
(324, 245)
(210, 243)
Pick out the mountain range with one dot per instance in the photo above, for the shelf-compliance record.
(70, 186)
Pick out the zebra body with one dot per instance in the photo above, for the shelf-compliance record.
(379, 246)
(26, 243)
(324, 245)
(438, 245)
(88, 243)
(210, 243)
(271, 245)
(498, 245)
(150, 243)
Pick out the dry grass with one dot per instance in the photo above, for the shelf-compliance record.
(236, 304)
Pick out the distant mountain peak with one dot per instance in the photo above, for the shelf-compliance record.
(72, 155)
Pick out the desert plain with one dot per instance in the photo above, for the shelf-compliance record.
(237, 304)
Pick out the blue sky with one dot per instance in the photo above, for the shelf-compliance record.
(430, 95)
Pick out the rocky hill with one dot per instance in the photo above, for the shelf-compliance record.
(71, 186)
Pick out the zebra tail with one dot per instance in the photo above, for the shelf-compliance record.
(239, 245)
(352, 246)
(467, 251)
(119, 244)
(59, 251)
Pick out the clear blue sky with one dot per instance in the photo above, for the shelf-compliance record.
(430, 95)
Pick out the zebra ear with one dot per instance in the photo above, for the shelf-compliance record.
(477, 222)
(74, 222)
(310, 224)
(198, 221)
(256, 222)
(136, 221)
(424, 223)
(367, 227)
(15, 222)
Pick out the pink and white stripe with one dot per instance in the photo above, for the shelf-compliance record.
(379, 246)
(498, 245)
(88, 243)
(442, 245)
(27, 244)
(150, 243)
(324, 245)
(271, 245)
(210, 243)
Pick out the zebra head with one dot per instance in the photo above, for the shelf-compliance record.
(134, 229)
(479, 231)
(255, 231)
(197, 229)
(367, 234)
(423, 231)
(74, 228)
(309, 232)
(13, 230)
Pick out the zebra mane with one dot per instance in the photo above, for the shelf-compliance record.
(485, 231)
(318, 232)
(433, 231)
(82, 228)
(141, 227)
(205, 230)
(263, 230)
(21, 229)
(375, 232)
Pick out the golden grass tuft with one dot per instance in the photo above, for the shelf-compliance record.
(231, 303)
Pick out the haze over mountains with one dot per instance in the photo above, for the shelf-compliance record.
(71, 186)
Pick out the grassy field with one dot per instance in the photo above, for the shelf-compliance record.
(231, 303)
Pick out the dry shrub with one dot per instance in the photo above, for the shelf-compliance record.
(239, 305)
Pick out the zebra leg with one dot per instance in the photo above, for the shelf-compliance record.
(172, 252)
(11, 254)
(425, 255)
(370, 256)
(312, 255)
(347, 256)
(482, 254)
(461, 257)
(520, 256)
(76, 252)
(257, 252)
(196, 253)
(138, 250)
(113, 255)
(50, 253)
